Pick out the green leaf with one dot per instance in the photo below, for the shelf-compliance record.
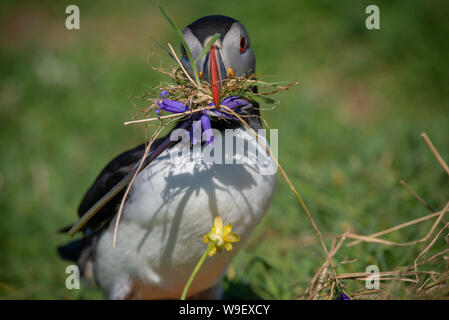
(264, 99)
(208, 46)
(184, 43)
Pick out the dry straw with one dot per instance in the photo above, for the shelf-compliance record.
(424, 283)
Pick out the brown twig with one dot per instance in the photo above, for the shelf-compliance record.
(280, 89)
(139, 168)
(182, 67)
(169, 116)
(421, 200)
(435, 152)
(428, 247)
(292, 188)
(373, 237)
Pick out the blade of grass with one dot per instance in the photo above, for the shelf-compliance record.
(181, 66)
(208, 46)
(184, 43)
(163, 48)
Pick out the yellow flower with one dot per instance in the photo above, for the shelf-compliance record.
(220, 236)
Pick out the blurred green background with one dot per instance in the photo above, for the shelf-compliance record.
(348, 133)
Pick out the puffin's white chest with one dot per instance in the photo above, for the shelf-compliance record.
(171, 205)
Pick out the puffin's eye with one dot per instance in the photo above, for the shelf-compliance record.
(184, 52)
(242, 44)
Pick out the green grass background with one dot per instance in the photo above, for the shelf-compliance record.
(348, 133)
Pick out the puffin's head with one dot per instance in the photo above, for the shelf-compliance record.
(230, 55)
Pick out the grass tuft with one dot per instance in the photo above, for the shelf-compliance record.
(412, 281)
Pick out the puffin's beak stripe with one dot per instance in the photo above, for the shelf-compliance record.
(214, 76)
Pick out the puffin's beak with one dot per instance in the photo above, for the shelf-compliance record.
(216, 70)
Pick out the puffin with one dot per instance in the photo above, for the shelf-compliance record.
(173, 202)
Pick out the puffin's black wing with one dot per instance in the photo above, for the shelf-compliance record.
(114, 171)
(112, 174)
(80, 251)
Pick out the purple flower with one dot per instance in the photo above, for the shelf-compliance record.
(234, 102)
(172, 106)
(196, 132)
(207, 128)
(202, 122)
(164, 93)
(342, 296)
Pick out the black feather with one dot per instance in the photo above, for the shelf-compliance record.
(73, 250)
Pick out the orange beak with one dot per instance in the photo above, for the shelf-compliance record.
(214, 76)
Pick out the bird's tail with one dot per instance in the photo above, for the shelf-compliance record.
(81, 252)
(73, 250)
